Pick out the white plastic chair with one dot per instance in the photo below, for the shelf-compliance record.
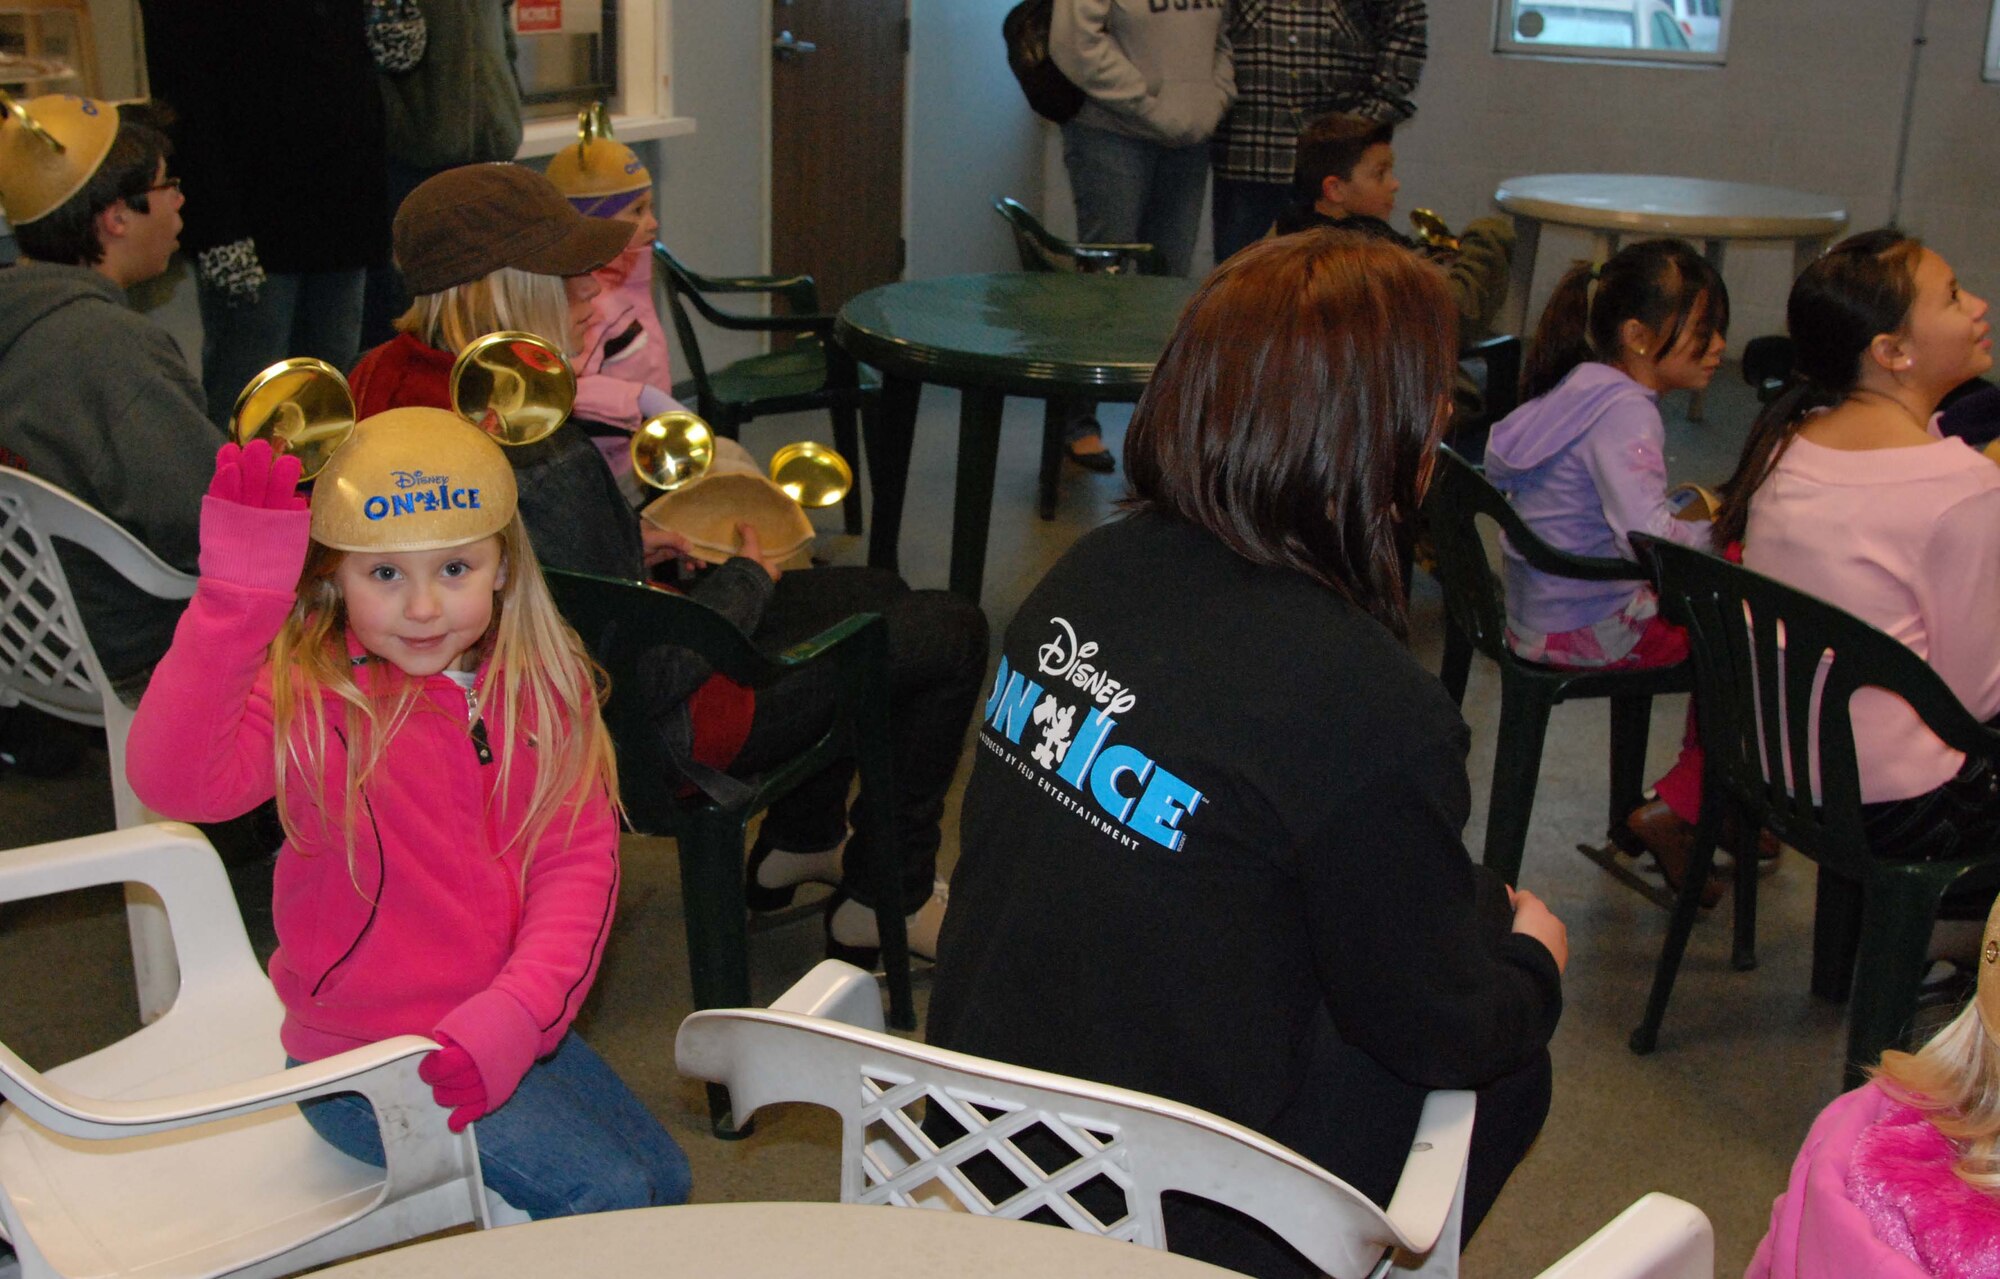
(1071, 1145)
(179, 1152)
(1659, 1237)
(46, 662)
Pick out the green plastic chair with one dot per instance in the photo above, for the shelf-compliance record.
(1040, 250)
(619, 622)
(809, 374)
(1767, 689)
(1476, 619)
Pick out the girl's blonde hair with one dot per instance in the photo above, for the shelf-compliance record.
(547, 691)
(1955, 1081)
(508, 298)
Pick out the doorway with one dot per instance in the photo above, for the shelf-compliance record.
(837, 85)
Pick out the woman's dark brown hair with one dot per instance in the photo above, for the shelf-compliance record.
(1298, 405)
(1857, 289)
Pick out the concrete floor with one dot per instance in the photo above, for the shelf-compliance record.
(1714, 1116)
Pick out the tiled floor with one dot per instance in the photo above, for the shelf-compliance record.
(1745, 1060)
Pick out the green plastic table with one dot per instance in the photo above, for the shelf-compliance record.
(1052, 336)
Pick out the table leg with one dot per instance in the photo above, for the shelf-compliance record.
(1521, 278)
(978, 454)
(888, 435)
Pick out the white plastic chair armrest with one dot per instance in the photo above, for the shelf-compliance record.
(384, 1072)
(1659, 1237)
(139, 854)
(1421, 1207)
(838, 992)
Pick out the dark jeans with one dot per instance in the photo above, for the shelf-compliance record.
(1958, 819)
(1356, 1120)
(1243, 211)
(937, 664)
(572, 1139)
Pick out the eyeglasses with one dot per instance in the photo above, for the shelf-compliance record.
(164, 184)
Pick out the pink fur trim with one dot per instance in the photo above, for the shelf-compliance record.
(1901, 1177)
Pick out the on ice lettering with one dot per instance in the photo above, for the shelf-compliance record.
(436, 494)
(1062, 658)
(1128, 786)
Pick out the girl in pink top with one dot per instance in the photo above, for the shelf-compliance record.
(623, 373)
(388, 663)
(1900, 1178)
(1847, 491)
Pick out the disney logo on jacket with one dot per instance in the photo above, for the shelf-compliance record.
(436, 494)
(1113, 785)
(1062, 658)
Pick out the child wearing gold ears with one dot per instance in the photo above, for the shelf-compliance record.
(622, 371)
(388, 663)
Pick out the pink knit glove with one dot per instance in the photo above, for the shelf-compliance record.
(455, 1082)
(255, 476)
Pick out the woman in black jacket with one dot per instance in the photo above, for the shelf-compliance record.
(1211, 848)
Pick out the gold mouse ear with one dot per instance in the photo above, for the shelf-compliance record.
(514, 386)
(49, 147)
(302, 406)
(672, 450)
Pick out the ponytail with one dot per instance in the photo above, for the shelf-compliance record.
(1857, 289)
(1562, 337)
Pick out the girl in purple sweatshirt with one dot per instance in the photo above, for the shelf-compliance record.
(388, 663)
(1583, 462)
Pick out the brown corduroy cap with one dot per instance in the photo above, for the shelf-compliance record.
(467, 223)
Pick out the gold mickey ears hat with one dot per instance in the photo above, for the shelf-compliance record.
(1988, 997)
(598, 165)
(49, 147)
(413, 479)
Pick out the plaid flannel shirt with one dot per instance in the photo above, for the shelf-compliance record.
(1299, 59)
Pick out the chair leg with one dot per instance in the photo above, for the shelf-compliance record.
(1456, 669)
(1517, 768)
(711, 853)
(1631, 721)
(1054, 414)
(1743, 948)
(847, 439)
(1897, 913)
(1680, 926)
(1836, 932)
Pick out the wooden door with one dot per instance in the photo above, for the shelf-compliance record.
(837, 142)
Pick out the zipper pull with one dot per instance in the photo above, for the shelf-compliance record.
(480, 747)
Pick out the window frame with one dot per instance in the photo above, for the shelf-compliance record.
(645, 78)
(1506, 43)
(1989, 70)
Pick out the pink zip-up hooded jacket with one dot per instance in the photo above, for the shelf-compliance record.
(433, 930)
(625, 373)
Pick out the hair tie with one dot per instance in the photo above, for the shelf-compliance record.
(1596, 270)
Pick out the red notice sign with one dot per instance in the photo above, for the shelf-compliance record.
(538, 17)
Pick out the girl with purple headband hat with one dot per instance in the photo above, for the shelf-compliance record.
(623, 371)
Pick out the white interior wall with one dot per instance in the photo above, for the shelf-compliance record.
(1811, 98)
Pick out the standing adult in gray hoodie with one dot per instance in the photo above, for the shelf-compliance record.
(1159, 77)
(95, 398)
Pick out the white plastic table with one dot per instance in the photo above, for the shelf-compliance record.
(1612, 206)
(774, 1241)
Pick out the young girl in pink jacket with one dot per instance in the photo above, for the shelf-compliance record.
(1900, 1178)
(623, 374)
(388, 663)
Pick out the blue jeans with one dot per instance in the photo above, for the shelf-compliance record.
(1243, 212)
(1131, 191)
(316, 314)
(572, 1139)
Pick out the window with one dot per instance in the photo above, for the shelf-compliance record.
(567, 56)
(1693, 31)
(1993, 45)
